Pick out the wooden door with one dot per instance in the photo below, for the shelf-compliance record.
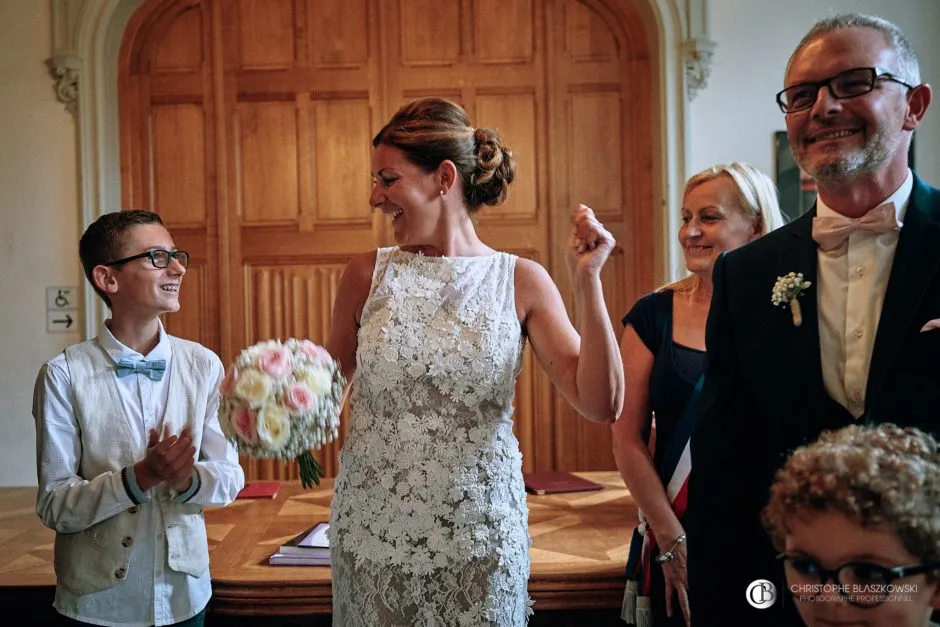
(247, 124)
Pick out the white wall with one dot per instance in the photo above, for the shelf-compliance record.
(733, 118)
(38, 223)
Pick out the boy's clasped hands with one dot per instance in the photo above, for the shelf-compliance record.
(170, 459)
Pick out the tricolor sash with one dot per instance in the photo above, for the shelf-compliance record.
(673, 471)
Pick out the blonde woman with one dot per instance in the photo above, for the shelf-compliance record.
(663, 351)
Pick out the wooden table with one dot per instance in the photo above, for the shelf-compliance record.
(580, 544)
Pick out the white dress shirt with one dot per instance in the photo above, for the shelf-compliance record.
(152, 593)
(852, 283)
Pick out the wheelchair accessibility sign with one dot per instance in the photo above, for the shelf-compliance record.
(61, 309)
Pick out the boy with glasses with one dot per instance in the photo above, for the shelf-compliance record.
(852, 336)
(128, 442)
(856, 517)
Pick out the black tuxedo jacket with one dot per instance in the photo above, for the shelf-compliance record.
(764, 396)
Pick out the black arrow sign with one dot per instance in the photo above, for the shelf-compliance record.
(67, 322)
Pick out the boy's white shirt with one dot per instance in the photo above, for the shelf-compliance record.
(152, 592)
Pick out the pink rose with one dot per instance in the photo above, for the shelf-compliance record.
(244, 421)
(276, 362)
(299, 398)
(228, 383)
(315, 351)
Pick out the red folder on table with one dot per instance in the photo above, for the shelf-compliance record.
(259, 490)
(556, 482)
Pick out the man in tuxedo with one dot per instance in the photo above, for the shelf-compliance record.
(865, 347)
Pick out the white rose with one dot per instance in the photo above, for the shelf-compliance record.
(273, 427)
(253, 387)
(318, 380)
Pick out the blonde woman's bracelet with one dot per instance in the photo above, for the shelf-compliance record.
(670, 555)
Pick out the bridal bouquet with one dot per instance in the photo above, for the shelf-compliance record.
(282, 399)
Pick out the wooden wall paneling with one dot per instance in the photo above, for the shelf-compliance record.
(643, 231)
(515, 114)
(424, 52)
(614, 276)
(532, 422)
(291, 300)
(302, 30)
(267, 164)
(197, 318)
(305, 160)
(208, 256)
(536, 167)
(338, 33)
(590, 84)
(166, 161)
(525, 420)
(132, 107)
(180, 48)
(428, 32)
(587, 36)
(340, 155)
(504, 32)
(266, 37)
(212, 302)
(190, 322)
(379, 107)
(179, 163)
(224, 90)
(595, 143)
(153, 26)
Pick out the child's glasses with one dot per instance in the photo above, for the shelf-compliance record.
(159, 258)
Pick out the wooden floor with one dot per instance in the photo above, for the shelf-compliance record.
(33, 608)
(580, 544)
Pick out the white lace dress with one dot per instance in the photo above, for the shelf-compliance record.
(429, 524)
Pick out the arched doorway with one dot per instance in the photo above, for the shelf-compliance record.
(540, 82)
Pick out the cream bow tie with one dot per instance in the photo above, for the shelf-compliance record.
(830, 231)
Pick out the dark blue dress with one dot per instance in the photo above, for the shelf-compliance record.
(676, 370)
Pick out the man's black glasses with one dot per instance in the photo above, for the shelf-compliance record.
(861, 584)
(848, 84)
(159, 258)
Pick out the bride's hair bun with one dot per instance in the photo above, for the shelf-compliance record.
(432, 130)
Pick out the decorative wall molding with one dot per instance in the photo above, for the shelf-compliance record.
(66, 69)
(696, 48)
(697, 55)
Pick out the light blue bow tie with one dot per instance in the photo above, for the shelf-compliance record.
(153, 369)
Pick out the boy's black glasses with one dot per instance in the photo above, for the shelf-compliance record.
(861, 584)
(159, 258)
(848, 84)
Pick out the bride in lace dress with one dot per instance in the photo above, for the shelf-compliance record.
(429, 524)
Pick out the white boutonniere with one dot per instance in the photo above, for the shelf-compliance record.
(786, 291)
